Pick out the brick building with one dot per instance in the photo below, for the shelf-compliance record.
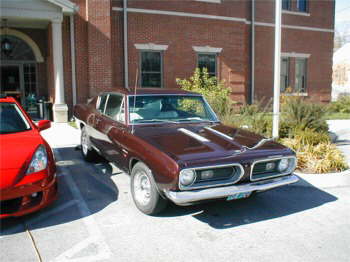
(68, 51)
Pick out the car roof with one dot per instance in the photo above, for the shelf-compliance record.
(154, 91)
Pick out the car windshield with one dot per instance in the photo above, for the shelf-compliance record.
(12, 119)
(169, 108)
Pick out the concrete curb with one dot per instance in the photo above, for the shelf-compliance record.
(324, 180)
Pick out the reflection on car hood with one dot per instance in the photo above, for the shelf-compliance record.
(188, 142)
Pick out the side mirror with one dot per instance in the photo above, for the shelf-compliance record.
(44, 124)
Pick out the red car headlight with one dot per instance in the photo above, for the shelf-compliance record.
(39, 161)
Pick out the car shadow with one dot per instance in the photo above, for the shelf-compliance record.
(83, 189)
(272, 204)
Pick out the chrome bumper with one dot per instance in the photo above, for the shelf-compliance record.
(188, 197)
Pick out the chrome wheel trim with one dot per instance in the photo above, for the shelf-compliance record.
(142, 188)
(84, 143)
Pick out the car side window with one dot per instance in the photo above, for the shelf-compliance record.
(102, 103)
(114, 107)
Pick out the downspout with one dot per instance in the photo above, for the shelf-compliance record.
(126, 64)
(72, 52)
(252, 90)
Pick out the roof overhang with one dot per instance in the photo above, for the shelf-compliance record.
(67, 6)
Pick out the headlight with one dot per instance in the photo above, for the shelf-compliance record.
(187, 177)
(39, 161)
(284, 164)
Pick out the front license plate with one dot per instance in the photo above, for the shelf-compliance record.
(238, 196)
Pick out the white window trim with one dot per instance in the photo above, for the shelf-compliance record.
(151, 46)
(288, 12)
(207, 49)
(210, 1)
(298, 55)
(295, 94)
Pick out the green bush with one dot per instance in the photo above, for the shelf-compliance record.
(297, 114)
(342, 105)
(215, 92)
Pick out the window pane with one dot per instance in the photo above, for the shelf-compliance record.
(286, 4)
(113, 105)
(151, 62)
(284, 74)
(302, 5)
(207, 61)
(151, 80)
(102, 103)
(300, 74)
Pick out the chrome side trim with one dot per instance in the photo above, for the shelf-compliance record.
(190, 197)
(290, 170)
(186, 188)
(194, 135)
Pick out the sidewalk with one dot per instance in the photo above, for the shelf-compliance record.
(63, 135)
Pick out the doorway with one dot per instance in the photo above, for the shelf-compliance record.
(11, 81)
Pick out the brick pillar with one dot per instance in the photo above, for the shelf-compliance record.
(99, 45)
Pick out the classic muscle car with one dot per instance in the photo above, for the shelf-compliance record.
(174, 147)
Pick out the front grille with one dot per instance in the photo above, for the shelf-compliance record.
(264, 169)
(10, 206)
(215, 176)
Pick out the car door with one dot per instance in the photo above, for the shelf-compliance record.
(112, 129)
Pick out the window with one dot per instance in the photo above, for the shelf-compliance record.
(286, 4)
(12, 119)
(102, 103)
(284, 73)
(300, 75)
(151, 69)
(302, 5)
(207, 61)
(114, 106)
(169, 108)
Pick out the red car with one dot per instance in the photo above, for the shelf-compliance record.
(27, 166)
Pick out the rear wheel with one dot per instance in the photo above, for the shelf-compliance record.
(144, 190)
(89, 154)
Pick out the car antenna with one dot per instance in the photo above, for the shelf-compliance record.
(133, 110)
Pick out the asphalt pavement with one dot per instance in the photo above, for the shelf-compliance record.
(94, 219)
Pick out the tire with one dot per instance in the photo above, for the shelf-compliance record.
(144, 191)
(89, 154)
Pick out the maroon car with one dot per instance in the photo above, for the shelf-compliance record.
(174, 147)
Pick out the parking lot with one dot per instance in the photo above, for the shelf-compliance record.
(94, 219)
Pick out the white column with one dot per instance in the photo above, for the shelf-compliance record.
(60, 108)
(277, 69)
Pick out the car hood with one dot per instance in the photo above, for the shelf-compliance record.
(15, 153)
(188, 142)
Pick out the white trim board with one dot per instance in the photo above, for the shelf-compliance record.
(207, 49)
(183, 14)
(151, 46)
(225, 18)
(293, 54)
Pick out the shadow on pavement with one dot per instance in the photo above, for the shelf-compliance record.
(272, 204)
(84, 189)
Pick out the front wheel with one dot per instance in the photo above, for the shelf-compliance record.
(89, 154)
(144, 190)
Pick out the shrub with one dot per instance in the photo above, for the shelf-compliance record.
(215, 92)
(297, 114)
(321, 158)
(342, 105)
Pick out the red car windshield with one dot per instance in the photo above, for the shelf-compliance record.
(12, 119)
